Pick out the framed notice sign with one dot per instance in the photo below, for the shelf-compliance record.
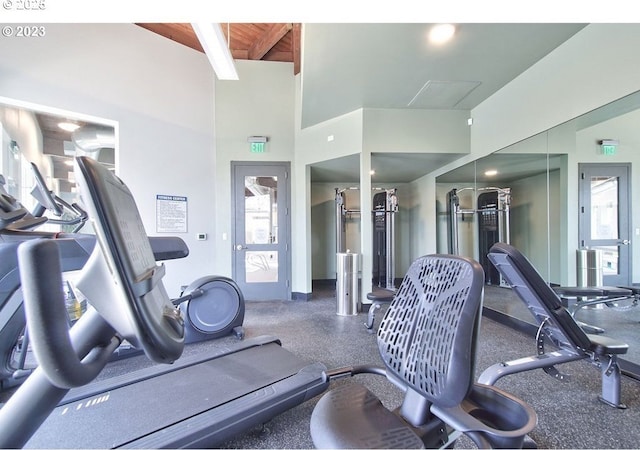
(171, 214)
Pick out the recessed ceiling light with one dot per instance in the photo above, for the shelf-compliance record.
(441, 33)
(69, 126)
(491, 173)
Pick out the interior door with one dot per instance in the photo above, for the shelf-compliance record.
(261, 231)
(605, 222)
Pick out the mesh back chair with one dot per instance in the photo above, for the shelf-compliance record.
(427, 340)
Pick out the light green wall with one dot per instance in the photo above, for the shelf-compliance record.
(566, 83)
(260, 103)
(560, 87)
(530, 209)
(313, 145)
(416, 131)
(626, 130)
(366, 132)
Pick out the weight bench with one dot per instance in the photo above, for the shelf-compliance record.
(555, 324)
(576, 297)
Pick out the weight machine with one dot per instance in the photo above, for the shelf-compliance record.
(492, 210)
(384, 207)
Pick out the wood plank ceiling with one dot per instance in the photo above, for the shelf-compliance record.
(251, 41)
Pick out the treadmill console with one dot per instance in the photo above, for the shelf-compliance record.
(131, 295)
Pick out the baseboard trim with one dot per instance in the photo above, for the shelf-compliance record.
(301, 296)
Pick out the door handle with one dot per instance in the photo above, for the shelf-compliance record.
(240, 247)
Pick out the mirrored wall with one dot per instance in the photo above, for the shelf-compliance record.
(535, 203)
(48, 139)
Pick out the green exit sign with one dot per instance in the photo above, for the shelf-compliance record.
(608, 146)
(257, 147)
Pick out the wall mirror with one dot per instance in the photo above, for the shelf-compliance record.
(49, 139)
(541, 178)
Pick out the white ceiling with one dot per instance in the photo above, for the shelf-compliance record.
(350, 66)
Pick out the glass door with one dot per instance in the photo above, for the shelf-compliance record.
(605, 218)
(261, 257)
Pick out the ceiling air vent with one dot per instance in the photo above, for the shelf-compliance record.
(442, 94)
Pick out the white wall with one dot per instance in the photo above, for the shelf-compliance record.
(160, 95)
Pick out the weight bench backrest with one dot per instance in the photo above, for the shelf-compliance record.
(427, 337)
(541, 300)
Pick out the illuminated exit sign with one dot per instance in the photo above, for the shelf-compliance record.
(608, 146)
(256, 143)
(257, 147)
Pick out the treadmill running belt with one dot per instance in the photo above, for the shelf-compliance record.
(121, 416)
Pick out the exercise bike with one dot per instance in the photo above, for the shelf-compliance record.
(213, 305)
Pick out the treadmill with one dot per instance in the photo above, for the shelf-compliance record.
(189, 402)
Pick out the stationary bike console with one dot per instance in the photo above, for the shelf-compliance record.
(130, 294)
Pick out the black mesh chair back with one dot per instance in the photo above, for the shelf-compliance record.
(427, 336)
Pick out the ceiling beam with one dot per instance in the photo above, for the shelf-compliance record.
(178, 32)
(268, 39)
(295, 44)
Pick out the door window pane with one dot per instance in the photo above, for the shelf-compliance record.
(261, 210)
(261, 267)
(604, 208)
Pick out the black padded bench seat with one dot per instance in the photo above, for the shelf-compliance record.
(591, 291)
(556, 325)
(634, 289)
(576, 297)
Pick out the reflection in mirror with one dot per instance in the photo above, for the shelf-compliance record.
(50, 141)
(542, 173)
(514, 181)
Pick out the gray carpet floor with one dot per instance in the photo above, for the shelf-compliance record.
(569, 413)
